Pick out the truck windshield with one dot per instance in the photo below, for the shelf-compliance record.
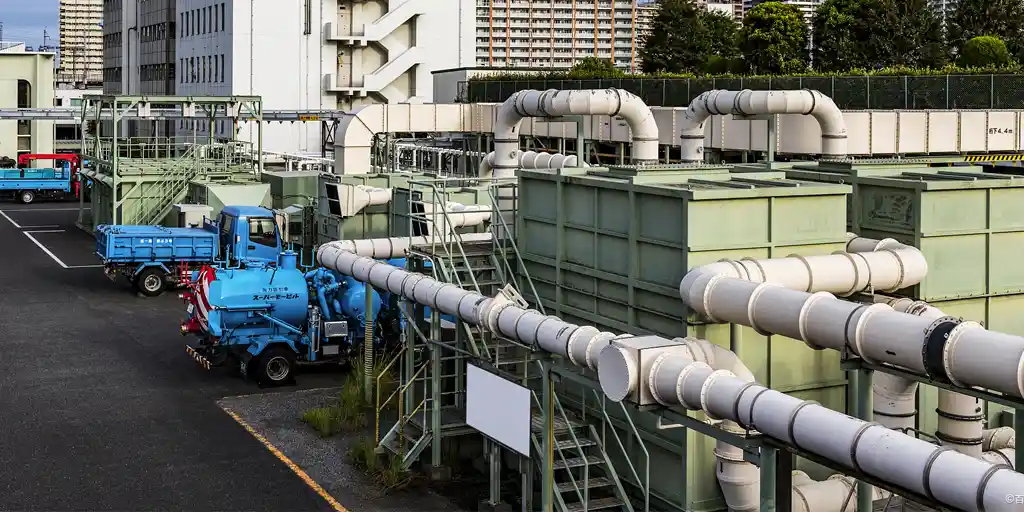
(263, 232)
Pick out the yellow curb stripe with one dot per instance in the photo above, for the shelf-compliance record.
(288, 462)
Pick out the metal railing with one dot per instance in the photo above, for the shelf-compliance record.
(583, 493)
(645, 483)
(849, 92)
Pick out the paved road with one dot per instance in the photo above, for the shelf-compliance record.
(100, 407)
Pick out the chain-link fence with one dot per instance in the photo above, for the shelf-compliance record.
(849, 92)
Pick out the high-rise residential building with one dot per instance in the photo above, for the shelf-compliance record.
(557, 33)
(732, 8)
(81, 41)
(807, 7)
(139, 47)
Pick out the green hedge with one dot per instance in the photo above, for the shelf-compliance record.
(951, 88)
(891, 71)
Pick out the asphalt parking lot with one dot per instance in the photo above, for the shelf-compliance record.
(102, 408)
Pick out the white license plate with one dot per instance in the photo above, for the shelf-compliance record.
(191, 308)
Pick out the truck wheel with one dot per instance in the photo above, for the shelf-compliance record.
(27, 196)
(150, 282)
(275, 366)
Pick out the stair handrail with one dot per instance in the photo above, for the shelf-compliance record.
(572, 479)
(439, 201)
(378, 405)
(168, 185)
(579, 448)
(602, 399)
(515, 248)
(451, 277)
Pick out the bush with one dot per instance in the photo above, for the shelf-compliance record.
(352, 410)
(984, 52)
(386, 470)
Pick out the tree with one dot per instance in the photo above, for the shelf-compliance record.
(774, 39)
(1001, 18)
(872, 34)
(984, 51)
(678, 42)
(723, 49)
(593, 67)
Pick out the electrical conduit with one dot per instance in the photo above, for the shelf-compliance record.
(749, 103)
(955, 479)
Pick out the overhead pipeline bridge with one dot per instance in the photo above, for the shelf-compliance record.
(72, 113)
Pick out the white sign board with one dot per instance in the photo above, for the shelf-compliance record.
(498, 408)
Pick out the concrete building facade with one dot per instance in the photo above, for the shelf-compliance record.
(557, 33)
(26, 81)
(81, 41)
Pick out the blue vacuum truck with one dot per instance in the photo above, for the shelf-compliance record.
(155, 258)
(268, 319)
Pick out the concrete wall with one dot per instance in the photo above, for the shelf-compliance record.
(37, 69)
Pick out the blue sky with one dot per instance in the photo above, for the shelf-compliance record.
(25, 20)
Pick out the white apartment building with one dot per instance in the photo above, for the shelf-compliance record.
(557, 33)
(26, 81)
(314, 54)
(81, 41)
(807, 7)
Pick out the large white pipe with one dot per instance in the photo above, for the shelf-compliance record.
(772, 297)
(532, 160)
(554, 103)
(398, 247)
(1005, 456)
(828, 495)
(947, 476)
(451, 215)
(361, 196)
(748, 103)
(998, 438)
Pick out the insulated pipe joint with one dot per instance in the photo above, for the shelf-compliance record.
(934, 351)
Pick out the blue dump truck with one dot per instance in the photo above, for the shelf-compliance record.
(27, 185)
(154, 258)
(268, 319)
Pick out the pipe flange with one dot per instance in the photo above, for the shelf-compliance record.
(437, 292)
(736, 404)
(651, 380)
(618, 105)
(750, 412)
(959, 417)
(758, 265)
(600, 336)
(856, 272)
(926, 475)
(947, 349)
(810, 271)
(569, 349)
(573, 329)
(856, 441)
(751, 319)
(858, 330)
(980, 496)
(814, 104)
(791, 423)
(494, 312)
(536, 332)
(802, 318)
(901, 266)
(706, 296)
(933, 350)
(707, 386)
(681, 380)
(959, 441)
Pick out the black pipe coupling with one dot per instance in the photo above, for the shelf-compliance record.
(934, 346)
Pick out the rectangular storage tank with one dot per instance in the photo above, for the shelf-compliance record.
(291, 187)
(852, 172)
(969, 225)
(608, 247)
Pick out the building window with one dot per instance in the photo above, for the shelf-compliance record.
(214, 70)
(215, 24)
(181, 21)
(222, 16)
(222, 67)
(204, 70)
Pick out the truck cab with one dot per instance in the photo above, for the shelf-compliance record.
(249, 234)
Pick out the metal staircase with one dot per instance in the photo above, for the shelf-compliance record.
(585, 478)
(160, 198)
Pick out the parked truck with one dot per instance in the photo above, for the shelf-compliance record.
(28, 184)
(155, 258)
(268, 319)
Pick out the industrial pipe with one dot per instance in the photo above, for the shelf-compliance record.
(998, 438)
(451, 215)
(397, 247)
(748, 103)
(837, 493)
(357, 197)
(532, 160)
(554, 103)
(944, 475)
(772, 297)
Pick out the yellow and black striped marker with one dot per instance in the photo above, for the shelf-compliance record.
(202, 360)
(994, 158)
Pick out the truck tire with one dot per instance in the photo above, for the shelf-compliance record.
(150, 282)
(275, 366)
(26, 196)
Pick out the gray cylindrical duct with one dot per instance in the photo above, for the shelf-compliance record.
(970, 484)
(747, 102)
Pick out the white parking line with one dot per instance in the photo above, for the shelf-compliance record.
(50, 253)
(10, 219)
(47, 209)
